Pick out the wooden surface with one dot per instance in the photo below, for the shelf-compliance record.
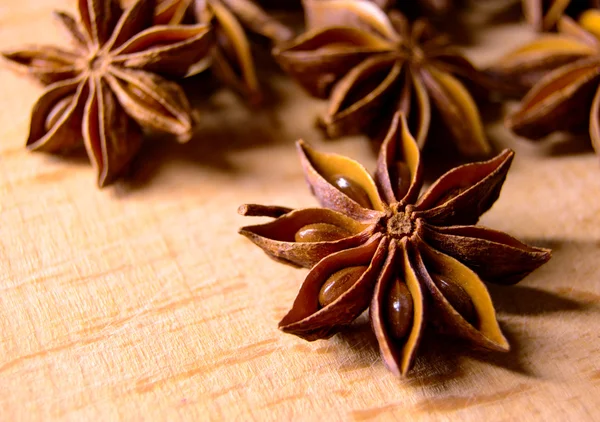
(140, 301)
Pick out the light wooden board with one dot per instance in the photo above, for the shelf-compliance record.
(141, 302)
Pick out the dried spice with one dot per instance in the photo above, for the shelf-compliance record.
(544, 15)
(107, 87)
(519, 70)
(568, 98)
(412, 260)
(372, 64)
(232, 59)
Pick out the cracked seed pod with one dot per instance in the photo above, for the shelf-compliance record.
(370, 65)
(410, 259)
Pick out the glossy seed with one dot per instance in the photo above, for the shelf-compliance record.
(458, 298)
(338, 283)
(400, 178)
(57, 112)
(321, 232)
(399, 310)
(352, 189)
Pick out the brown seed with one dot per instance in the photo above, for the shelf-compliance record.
(321, 232)
(57, 112)
(399, 310)
(338, 283)
(352, 189)
(400, 178)
(458, 298)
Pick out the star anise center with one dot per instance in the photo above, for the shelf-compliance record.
(97, 62)
(411, 52)
(400, 222)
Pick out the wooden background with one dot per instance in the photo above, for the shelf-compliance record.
(141, 302)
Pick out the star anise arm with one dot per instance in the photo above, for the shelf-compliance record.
(560, 101)
(136, 18)
(469, 314)
(152, 101)
(310, 318)
(170, 12)
(46, 63)
(399, 172)
(111, 138)
(304, 237)
(495, 256)
(99, 18)
(595, 122)
(521, 69)
(168, 50)
(357, 99)
(458, 110)
(341, 184)
(462, 194)
(319, 58)
(233, 61)
(56, 117)
(543, 16)
(258, 21)
(421, 114)
(73, 29)
(257, 210)
(398, 309)
(359, 14)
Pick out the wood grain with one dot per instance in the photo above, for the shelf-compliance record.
(140, 301)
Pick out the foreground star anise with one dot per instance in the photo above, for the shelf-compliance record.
(107, 87)
(372, 64)
(413, 261)
(567, 98)
(544, 15)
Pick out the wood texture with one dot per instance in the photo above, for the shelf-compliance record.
(140, 301)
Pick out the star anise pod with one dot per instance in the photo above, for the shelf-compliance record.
(107, 86)
(567, 98)
(519, 70)
(544, 15)
(413, 260)
(372, 64)
(232, 59)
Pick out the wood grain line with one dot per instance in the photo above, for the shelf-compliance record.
(443, 404)
(238, 356)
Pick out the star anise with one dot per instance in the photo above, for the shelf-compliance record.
(372, 64)
(107, 87)
(567, 98)
(232, 59)
(414, 260)
(521, 69)
(544, 15)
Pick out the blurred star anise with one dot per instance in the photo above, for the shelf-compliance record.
(521, 69)
(232, 59)
(107, 87)
(413, 260)
(544, 15)
(371, 65)
(567, 98)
